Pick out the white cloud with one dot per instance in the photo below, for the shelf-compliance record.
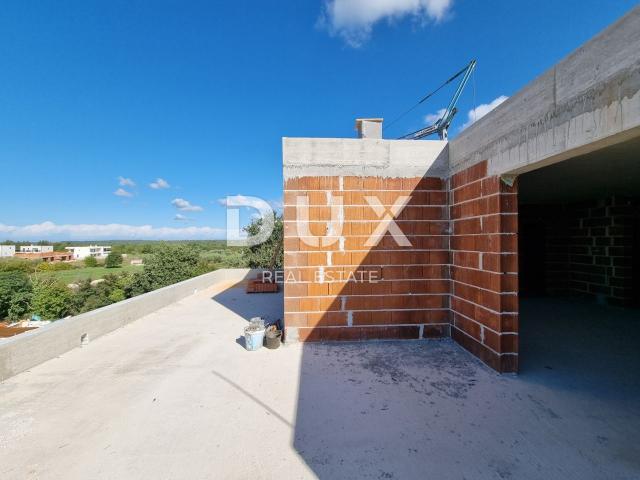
(242, 201)
(431, 118)
(121, 192)
(126, 182)
(480, 111)
(181, 218)
(112, 231)
(353, 20)
(185, 206)
(159, 184)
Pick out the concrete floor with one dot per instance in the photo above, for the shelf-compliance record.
(175, 396)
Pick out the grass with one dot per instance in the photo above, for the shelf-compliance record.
(94, 273)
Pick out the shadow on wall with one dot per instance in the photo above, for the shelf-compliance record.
(425, 271)
(383, 273)
(358, 403)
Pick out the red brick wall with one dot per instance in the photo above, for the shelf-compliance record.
(409, 295)
(484, 244)
(458, 277)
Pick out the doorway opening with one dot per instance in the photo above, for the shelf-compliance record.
(579, 254)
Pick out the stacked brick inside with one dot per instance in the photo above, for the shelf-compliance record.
(343, 289)
(484, 274)
(587, 247)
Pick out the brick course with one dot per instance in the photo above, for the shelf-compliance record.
(458, 277)
(484, 276)
(331, 297)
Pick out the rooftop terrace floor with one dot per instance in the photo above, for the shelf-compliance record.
(175, 396)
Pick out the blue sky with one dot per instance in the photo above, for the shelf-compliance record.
(96, 96)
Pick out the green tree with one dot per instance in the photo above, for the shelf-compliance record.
(113, 260)
(81, 296)
(140, 283)
(262, 255)
(115, 285)
(13, 284)
(110, 290)
(52, 299)
(20, 306)
(90, 262)
(169, 265)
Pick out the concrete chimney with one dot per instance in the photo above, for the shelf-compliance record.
(369, 127)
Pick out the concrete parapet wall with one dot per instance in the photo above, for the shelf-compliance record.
(29, 349)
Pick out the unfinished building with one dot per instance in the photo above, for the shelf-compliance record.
(403, 239)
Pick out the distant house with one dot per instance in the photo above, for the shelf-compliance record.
(46, 256)
(36, 248)
(97, 251)
(7, 250)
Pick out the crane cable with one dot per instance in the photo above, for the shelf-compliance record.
(423, 99)
(475, 111)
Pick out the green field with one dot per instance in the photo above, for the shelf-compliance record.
(94, 273)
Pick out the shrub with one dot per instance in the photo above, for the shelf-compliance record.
(113, 260)
(88, 297)
(169, 265)
(20, 305)
(90, 262)
(54, 266)
(227, 258)
(51, 298)
(17, 265)
(13, 285)
(115, 285)
(117, 295)
(139, 284)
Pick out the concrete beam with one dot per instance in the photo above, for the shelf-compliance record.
(589, 100)
(363, 157)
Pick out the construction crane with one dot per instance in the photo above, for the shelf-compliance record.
(441, 126)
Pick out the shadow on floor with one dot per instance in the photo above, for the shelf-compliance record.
(428, 409)
(574, 343)
(269, 306)
(372, 410)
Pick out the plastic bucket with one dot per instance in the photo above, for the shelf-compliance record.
(253, 339)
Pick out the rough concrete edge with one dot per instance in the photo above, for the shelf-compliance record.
(32, 348)
(384, 158)
(504, 148)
